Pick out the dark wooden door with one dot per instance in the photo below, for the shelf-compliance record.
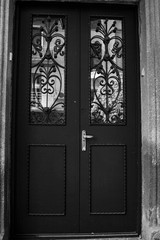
(110, 113)
(75, 72)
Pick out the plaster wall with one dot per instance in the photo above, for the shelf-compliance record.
(149, 39)
(4, 65)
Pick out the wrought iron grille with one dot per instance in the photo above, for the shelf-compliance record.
(107, 72)
(47, 105)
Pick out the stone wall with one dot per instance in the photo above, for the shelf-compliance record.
(150, 104)
(4, 25)
(149, 38)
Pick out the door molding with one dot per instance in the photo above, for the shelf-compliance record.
(149, 35)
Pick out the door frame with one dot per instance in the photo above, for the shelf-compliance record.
(15, 76)
(150, 112)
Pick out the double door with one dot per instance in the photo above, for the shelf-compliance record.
(76, 121)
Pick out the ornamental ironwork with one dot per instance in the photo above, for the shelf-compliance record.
(47, 105)
(107, 72)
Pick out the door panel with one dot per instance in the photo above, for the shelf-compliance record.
(76, 69)
(47, 162)
(46, 155)
(111, 161)
(106, 183)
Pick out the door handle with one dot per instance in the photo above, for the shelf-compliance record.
(84, 137)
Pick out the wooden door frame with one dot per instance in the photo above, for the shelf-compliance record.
(20, 74)
(149, 35)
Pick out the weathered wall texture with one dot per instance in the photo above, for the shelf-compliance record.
(4, 15)
(149, 35)
(150, 105)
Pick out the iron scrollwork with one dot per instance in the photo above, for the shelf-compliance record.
(47, 104)
(107, 72)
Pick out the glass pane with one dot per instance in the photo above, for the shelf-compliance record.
(107, 72)
(47, 104)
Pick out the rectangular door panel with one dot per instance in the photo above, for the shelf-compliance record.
(107, 179)
(46, 171)
(110, 87)
(46, 137)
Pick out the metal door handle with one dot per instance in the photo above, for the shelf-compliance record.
(84, 136)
